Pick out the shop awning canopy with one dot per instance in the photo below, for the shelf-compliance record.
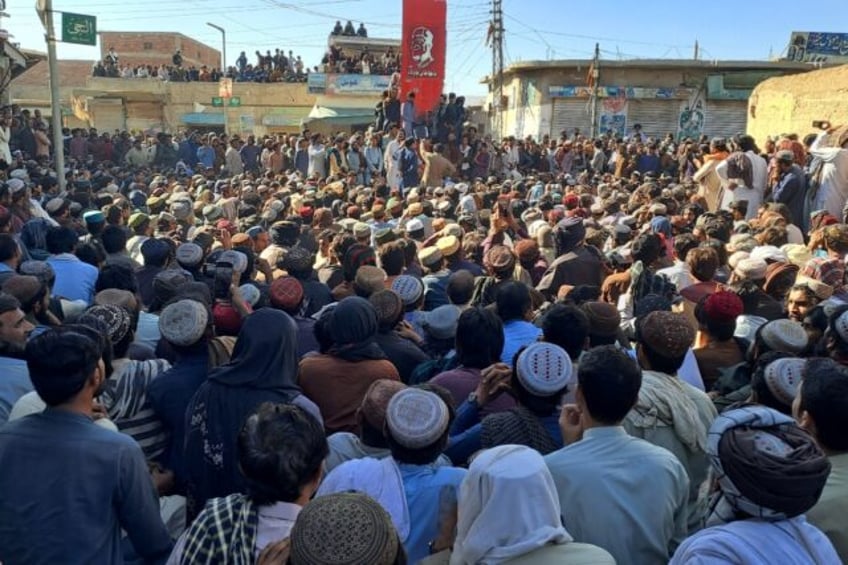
(341, 115)
(203, 119)
(285, 117)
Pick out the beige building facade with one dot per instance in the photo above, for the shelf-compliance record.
(686, 98)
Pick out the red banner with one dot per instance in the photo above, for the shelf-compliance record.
(423, 52)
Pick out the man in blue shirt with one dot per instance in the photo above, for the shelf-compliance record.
(206, 154)
(75, 280)
(14, 376)
(644, 487)
(250, 154)
(417, 423)
(69, 486)
(514, 307)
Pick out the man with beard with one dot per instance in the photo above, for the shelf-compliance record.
(33, 295)
(14, 376)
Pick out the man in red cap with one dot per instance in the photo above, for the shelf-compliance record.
(716, 348)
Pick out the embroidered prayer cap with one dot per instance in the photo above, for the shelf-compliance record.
(544, 369)
(500, 258)
(797, 254)
(286, 293)
(448, 245)
(821, 290)
(376, 400)
(39, 269)
(841, 326)
(189, 255)
(751, 269)
(441, 322)
(236, 258)
(347, 528)
(416, 418)
(723, 306)
(117, 319)
(736, 257)
(783, 376)
(369, 279)
(414, 225)
(250, 293)
(388, 305)
(408, 288)
(183, 322)
(667, 333)
(604, 318)
(430, 256)
(784, 335)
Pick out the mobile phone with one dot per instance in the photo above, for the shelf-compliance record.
(820, 124)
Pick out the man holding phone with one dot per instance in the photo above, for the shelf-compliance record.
(829, 173)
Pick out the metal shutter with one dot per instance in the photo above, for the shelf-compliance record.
(657, 117)
(571, 113)
(108, 114)
(725, 118)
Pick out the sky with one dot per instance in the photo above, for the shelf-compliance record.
(534, 29)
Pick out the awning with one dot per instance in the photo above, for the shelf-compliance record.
(203, 119)
(341, 115)
(285, 117)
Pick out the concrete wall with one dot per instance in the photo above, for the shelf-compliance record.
(791, 104)
(534, 117)
(153, 104)
(155, 48)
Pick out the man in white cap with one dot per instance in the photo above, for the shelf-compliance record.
(417, 424)
(185, 326)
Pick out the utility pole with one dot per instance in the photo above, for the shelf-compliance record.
(497, 67)
(596, 76)
(697, 49)
(45, 12)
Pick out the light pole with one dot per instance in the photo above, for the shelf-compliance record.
(223, 46)
(223, 72)
(45, 12)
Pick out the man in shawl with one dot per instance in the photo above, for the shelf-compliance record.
(338, 380)
(769, 472)
(263, 368)
(669, 412)
(576, 263)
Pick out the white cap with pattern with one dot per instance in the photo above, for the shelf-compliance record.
(544, 369)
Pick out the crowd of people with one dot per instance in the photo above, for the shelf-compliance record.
(365, 62)
(279, 67)
(353, 349)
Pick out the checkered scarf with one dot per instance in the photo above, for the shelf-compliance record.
(223, 534)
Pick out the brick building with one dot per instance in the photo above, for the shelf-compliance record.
(156, 48)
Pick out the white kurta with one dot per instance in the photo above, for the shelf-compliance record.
(833, 190)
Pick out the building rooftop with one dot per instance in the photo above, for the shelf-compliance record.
(72, 72)
(724, 65)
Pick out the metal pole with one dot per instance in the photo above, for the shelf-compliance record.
(596, 77)
(223, 72)
(223, 46)
(55, 108)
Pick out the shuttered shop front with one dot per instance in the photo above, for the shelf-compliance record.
(108, 114)
(657, 117)
(570, 113)
(725, 118)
